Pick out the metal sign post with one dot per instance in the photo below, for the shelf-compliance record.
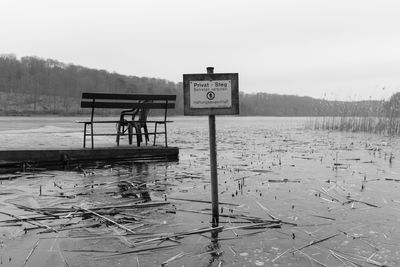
(211, 94)
(213, 162)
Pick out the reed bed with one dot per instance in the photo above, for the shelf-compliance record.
(368, 124)
(379, 117)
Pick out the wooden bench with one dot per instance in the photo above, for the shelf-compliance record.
(129, 104)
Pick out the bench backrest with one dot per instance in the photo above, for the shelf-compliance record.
(127, 101)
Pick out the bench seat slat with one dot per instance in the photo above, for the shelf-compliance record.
(126, 105)
(115, 134)
(127, 96)
(89, 122)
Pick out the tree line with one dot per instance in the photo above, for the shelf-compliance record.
(32, 85)
(35, 85)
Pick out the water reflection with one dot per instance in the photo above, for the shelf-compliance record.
(134, 190)
(214, 248)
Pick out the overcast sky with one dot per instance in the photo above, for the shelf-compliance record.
(336, 49)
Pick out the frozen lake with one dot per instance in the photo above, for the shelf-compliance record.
(342, 187)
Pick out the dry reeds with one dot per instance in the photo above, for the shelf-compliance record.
(368, 117)
(377, 125)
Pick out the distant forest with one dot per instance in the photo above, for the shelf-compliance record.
(32, 85)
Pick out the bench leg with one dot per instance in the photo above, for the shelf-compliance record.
(138, 134)
(146, 133)
(165, 131)
(130, 132)
(118, 133)
(155, 133)
(91, 129)
(84, 135)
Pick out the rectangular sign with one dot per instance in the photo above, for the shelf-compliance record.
(211, 94)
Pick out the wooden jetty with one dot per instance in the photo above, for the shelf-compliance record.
(61, 156)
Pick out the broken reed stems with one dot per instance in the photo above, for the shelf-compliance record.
(305, 246)
(272, 216)
(327, 194)
(178, 256)
(37, 211)
(337, 257)
(41, 218)
(56, 212)
(138, 250)
(341, 258)
(358, 258)
(133, 206)
(244, 217)
(318, 241)
(73, 228)
(254, 225)
(363, 202)
(108, 220)
(266, 211)
(311, 258)
(31, 252)
(233, 231)
(354, 258)
(349, 200)
(205, 230)
(280, 255)
(203, 201)
(27, 220)
(198, 231)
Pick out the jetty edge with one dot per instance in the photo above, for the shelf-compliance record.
(60, 156)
